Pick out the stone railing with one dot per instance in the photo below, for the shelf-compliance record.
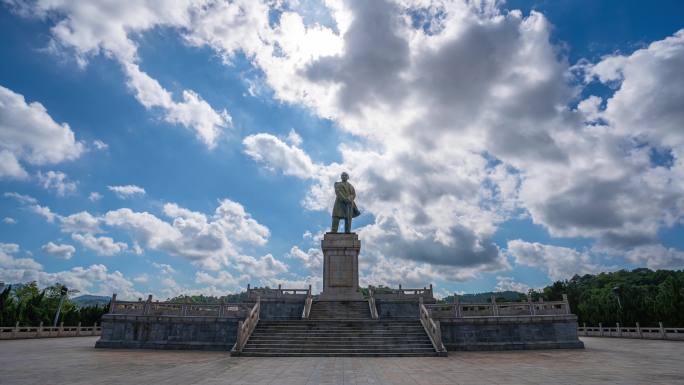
(246, 327)
(263, 293)
(500, 309)
(225, 310)
(371, 304)
(654, 333)
(19, 332)
(402, 293)
(432, 328)
(307, 306)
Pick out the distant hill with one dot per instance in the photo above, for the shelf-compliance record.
(90, 300)
(507, 296)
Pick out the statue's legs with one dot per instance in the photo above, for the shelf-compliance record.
(335, 224)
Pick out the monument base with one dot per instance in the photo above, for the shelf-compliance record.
(340, 267)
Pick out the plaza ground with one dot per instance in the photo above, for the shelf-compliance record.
(604, 361)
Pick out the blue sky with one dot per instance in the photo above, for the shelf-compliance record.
(193, 150)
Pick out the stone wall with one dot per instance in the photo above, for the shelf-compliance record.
(406, 308)
(167, 332)
(510, 333)
(281, 308)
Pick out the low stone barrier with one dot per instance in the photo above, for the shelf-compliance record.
(652, 333)
(506, 325)
(20, 332)
(510, 333)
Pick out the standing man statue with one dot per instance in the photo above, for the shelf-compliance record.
(345, 207)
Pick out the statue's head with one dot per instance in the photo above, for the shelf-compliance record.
(344, 176)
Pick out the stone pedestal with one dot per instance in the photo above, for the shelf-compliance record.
(341, 267)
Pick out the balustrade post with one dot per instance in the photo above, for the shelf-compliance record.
(249, 292)
(78, 330)
(638, 327)
(495, 309)
(309, 293)
(531, 304)
(148, 305)
(280, 290)
(61, 329)
(457, 306)
(15, 330)
(39, 332)
(184, 310)
(112, 304)
(619, 330)
(600, 329)
(662, 331)
(566, 304)
(94, 329)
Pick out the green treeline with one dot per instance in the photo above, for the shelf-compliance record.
(641, 295)
(30, 306)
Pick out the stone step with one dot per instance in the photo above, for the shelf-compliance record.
(327, 340)
(345, 354)
(341, 344)
(334, 336)
(297, 349)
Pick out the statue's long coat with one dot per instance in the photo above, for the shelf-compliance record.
(344, 190)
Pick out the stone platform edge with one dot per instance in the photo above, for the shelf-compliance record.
(510, 333)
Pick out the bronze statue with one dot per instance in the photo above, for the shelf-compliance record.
(345, 207)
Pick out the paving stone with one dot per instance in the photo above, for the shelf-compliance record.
(58, 361)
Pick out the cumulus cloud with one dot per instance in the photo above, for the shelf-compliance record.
(210, 242)
(94, 196)
(103, 246)
(273, 152)
(94, 28)
(559, 262)
(8, 262)
(28, 134)
(100, 145)
(62, 251)
(57, 181)
(510, 284)
(127, 191)
(9, 221)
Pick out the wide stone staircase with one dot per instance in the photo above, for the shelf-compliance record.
(337, 328)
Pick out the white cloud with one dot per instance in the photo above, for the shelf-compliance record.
(9, 263)
(510, 284)
(142, 278)
(10, 167)
(222, 279)
(97, 28)
(82, 222)
(21, 198)
(62, 251)
(9, 221)
(164, 268)
(100, 145)
(56, 180)
(28, 134)
(312, 259)
(210, 242)
(103, 246)
(94, 196)
(127, 191)
(274, 153)
(559, 262)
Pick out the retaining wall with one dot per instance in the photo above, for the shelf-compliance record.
(510, 333)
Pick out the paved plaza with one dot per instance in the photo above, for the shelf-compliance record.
(604, 361)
